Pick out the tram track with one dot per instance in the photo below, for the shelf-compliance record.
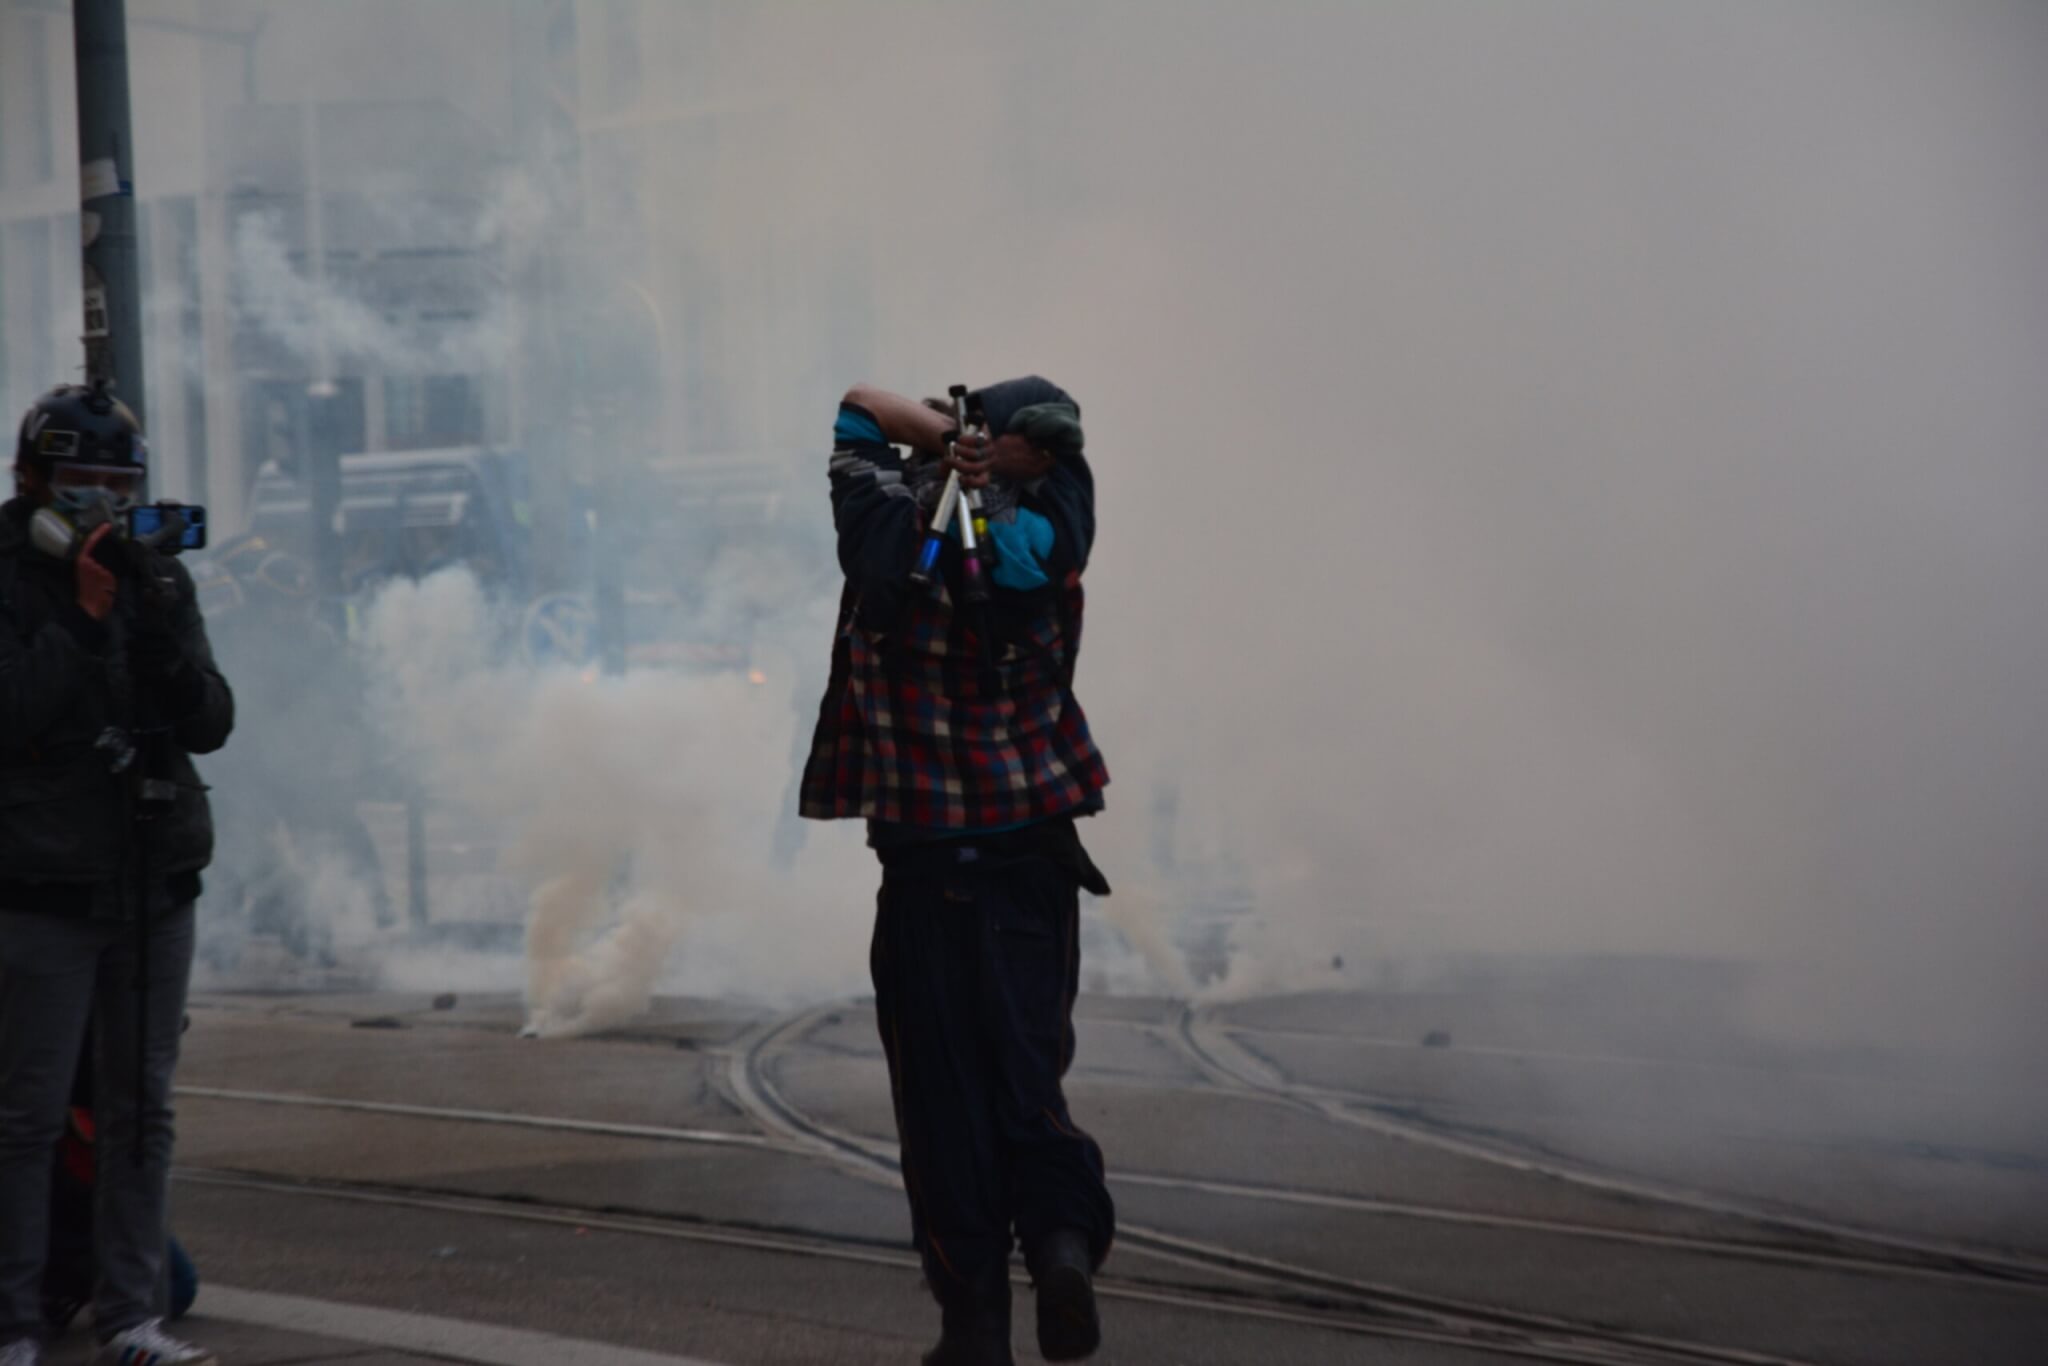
(1796, 1237)
(1377, 1308)
(1170, 1269)
(1781, 1240)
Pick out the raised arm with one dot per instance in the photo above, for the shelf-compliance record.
(876, 515)
(904, 421)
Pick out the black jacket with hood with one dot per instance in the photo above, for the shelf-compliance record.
(71, 832)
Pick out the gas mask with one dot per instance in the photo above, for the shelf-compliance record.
(75, 511)
(60, 531)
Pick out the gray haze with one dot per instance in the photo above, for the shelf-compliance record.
(1572, 476)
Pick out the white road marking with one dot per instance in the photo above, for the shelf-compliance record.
(714, 1137)
(455, 1339)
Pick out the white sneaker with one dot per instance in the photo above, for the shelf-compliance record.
(22, 1352)
(147, 1344)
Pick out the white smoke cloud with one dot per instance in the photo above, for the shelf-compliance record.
(632, 808)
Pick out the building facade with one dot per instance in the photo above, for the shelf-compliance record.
(323, 247)
(385, 226)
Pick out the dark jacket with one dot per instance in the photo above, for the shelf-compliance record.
(69, 827)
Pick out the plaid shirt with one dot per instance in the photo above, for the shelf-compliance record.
(920, 724)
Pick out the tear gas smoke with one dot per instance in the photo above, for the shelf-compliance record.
(1570, 476)
(628, 805)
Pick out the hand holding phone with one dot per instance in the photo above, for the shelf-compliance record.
(95, 582)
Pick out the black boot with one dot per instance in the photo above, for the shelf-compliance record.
(975, 1325)
(1061, 1269)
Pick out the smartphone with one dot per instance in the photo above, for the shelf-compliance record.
(148, 519)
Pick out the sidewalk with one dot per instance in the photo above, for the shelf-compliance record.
(256, 1328)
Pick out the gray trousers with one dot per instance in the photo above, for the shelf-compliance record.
(57, 973)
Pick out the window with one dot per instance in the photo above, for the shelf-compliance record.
(280, 422)
(425, 411)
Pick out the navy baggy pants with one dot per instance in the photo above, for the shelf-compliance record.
(976, 961)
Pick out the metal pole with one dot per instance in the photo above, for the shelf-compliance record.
(106, 199)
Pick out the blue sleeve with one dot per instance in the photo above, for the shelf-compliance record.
(875, 514)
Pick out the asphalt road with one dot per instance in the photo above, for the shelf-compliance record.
(1586, 1169)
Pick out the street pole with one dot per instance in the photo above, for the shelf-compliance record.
(106, 194)
(113, 330)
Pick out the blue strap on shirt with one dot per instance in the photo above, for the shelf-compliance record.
(857, 428)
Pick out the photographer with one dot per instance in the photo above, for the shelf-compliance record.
(107, 687)
(955, 734)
